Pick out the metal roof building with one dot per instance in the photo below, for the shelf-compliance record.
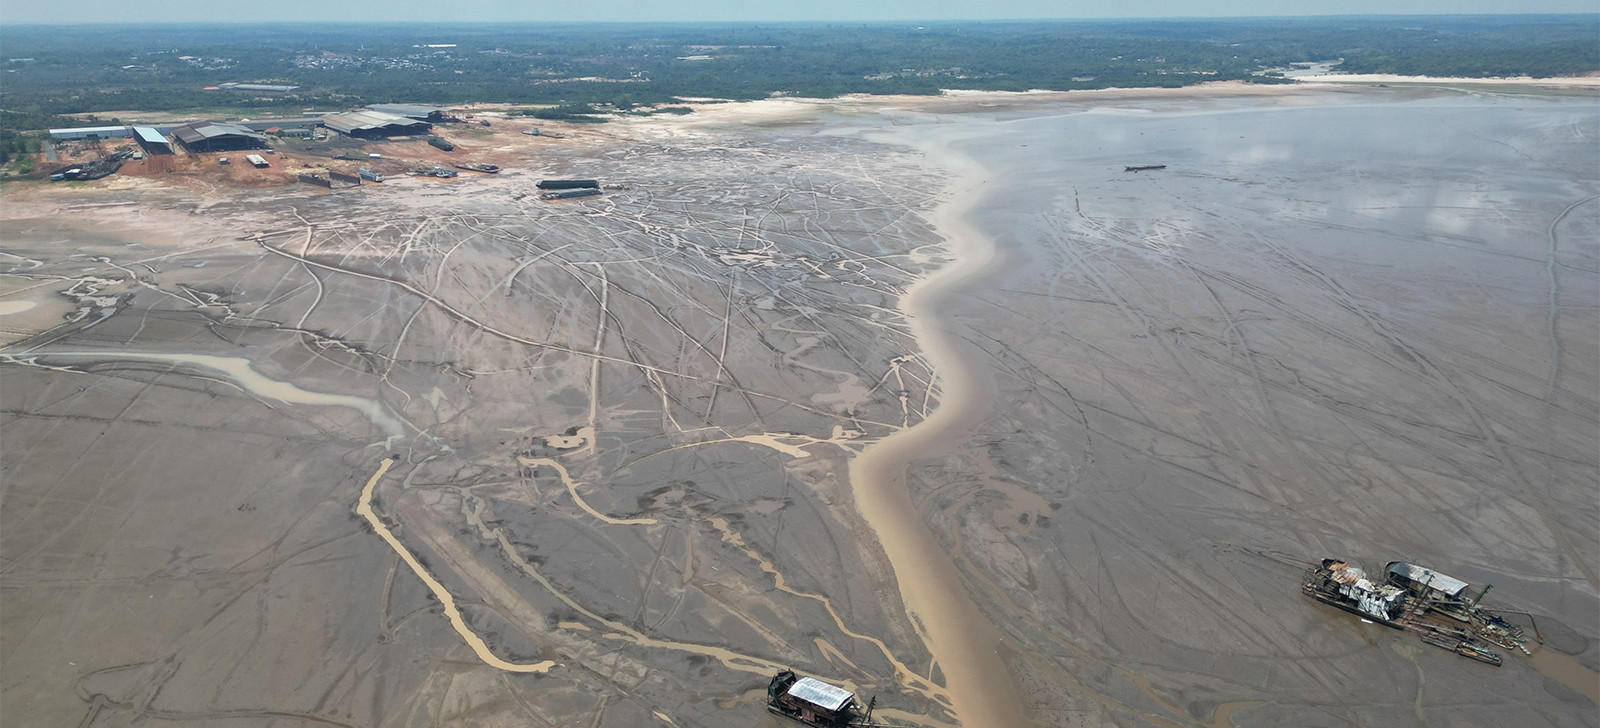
(1423, 576)
(283, 122)
(413, 111)
(374, 124)
(209, 136)
(151, 140)
(236, 86)
(85, 132)
(820, 694)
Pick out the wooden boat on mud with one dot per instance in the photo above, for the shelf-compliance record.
(812, 702)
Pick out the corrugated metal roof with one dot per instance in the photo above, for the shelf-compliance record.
(90, 130)
(1424, 575)
(149, 135)
(820, 694)
(203, 130)
(360, 120)
(415, 111)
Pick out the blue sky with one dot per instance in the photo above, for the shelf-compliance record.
(103, 11)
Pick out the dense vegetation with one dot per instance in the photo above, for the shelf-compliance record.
(50, 71)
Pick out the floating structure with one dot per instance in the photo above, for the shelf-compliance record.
(1144, 167)
(484, 167)
(1419, 600)
(813, 702)
(568, 194)
(340, 179)
(567, 184)
(92, 170)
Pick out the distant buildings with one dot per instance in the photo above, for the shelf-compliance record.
(232, 86)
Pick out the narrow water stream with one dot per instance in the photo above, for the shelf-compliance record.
(241, 373)
(964, 643)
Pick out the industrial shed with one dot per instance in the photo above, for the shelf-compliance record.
(235, 86)
(209, 136)
(413, 111)
(369, 124)
(284, 123)
(91, 132)
(151, 140)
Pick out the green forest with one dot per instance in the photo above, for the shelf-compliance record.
(50, 71)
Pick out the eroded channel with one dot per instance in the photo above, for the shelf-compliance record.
(963, 641)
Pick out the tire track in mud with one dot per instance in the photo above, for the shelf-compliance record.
(1554, 294)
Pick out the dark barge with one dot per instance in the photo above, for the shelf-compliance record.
(567, 184)
(1143, 167)
(571, 193)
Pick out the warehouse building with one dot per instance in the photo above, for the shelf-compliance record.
(151, 140)
(370, 124)
(433, 114)
(281, 122)
(235, 86)
(209, 136)
(92, 132)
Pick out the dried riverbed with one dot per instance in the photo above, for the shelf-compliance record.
(925, 397)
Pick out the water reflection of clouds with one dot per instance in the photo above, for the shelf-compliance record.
(1446, 168)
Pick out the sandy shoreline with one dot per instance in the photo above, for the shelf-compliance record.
(783, 108)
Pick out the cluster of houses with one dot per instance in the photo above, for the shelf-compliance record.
(373, 122)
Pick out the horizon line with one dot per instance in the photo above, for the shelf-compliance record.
(815, 21)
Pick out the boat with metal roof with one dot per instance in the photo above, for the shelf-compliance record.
(813, 702)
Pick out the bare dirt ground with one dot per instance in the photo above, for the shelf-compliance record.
(434, 452)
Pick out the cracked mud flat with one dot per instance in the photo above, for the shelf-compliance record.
(439, 454)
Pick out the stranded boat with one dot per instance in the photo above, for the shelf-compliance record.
(479, 167)
(1416, 599)
(813, 702)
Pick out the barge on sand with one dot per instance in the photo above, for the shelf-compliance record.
(1419, 600)
(812, 702)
